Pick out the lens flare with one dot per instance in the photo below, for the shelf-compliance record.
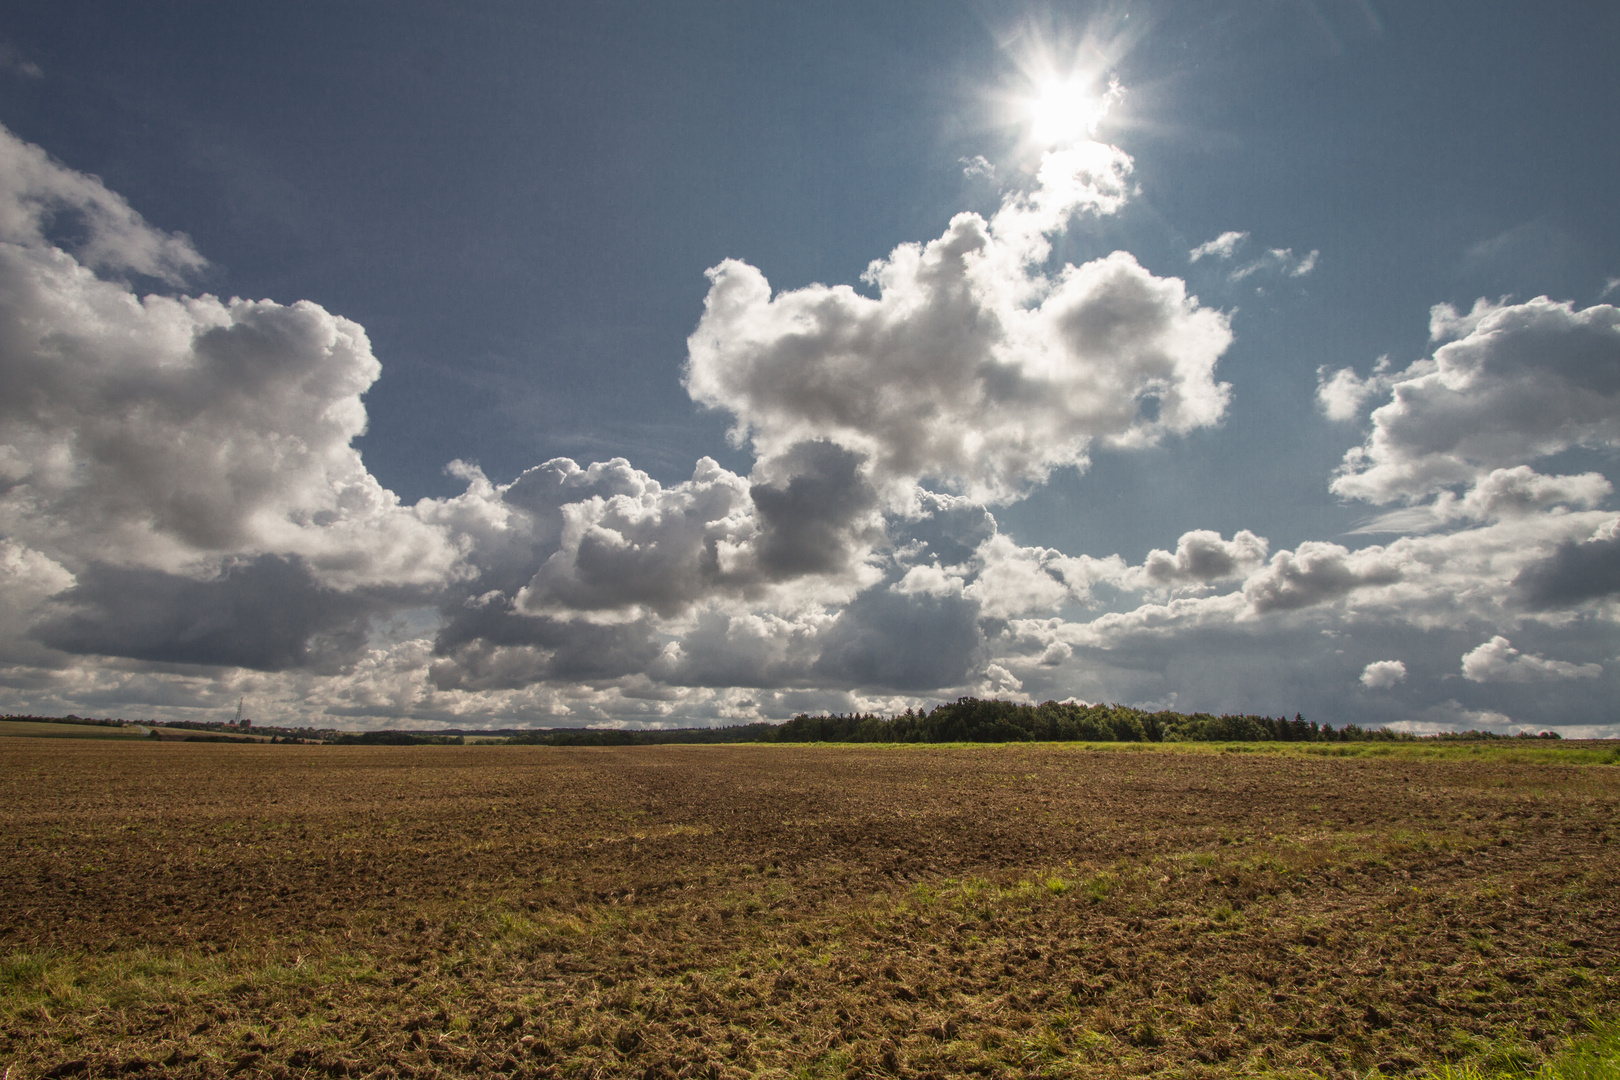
(1064, 111)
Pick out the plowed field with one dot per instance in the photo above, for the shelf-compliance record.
(729, 911)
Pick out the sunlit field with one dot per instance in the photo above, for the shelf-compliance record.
(807, 911)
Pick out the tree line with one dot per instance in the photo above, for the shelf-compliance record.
(966, 719)
(974, 720)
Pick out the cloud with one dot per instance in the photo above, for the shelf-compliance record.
(1383, 674)
(817, 518)
(601, 573)
(1223, 246)
(520, 651)
(948, 528)
(37, 193)
(948, 561)
(1537, 246)
(1429, 583)
(1202, 558)
(1576, 572)
(1342, 394)
(1275, 260)
(28, 579)
(1521, 490)
(1278, 260)
(1517, 382)
(185, 465)
(184, 518)
(1497, 661)
(1452, 715)
(1315, 573)
(639, 546)
(891, 641)
(188, 453)
(1501, 493)
(977, 165)
(14, 62)
(1433, 581)
(1013, 580)
(267, 613)
(930, 580)
(746, 649)
(972, 368)
(168, 433)
(642, 546)
(611, 544)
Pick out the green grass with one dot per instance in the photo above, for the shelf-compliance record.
(1523, 751)
(1594, 1057)
(36, 729)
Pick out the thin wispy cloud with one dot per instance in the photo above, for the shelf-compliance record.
(1277, 261)
(1223, 246)
(14, 63)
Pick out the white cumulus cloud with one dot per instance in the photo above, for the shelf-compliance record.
(1383, 674)
(1517, 382)
(972, 368)
(187, 460)
(184, 517)
(1498, 661)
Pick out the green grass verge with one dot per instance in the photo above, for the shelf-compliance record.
(1594, 1057)
(1503, 751)
(35, 729)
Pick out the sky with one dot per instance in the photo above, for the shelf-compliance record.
(636, 364)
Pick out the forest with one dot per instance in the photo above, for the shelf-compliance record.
(965, 720)
(970, 719)
(974, 720)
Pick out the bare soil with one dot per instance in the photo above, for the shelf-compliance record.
(729, 911)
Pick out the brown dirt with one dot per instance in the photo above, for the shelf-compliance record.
(209, 910)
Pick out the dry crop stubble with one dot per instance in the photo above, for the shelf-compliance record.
(205, 909)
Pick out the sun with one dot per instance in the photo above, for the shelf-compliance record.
(1064, 111)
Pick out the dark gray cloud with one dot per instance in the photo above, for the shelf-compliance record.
(817, 518)
(890, 641)
(268, 614)
(748, 650)
(487, 643)
(1571, 575)
(557, 652)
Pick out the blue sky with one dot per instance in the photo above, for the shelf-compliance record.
(485, 238)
